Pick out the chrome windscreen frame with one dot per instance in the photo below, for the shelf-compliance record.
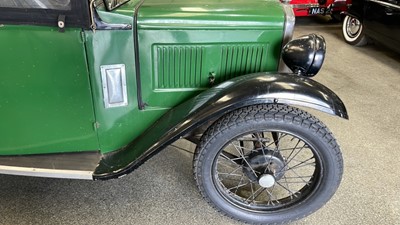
(288, 29)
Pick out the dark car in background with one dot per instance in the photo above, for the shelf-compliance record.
(378, 20)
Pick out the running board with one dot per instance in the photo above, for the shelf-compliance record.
(66, 165)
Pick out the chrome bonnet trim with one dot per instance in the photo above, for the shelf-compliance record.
(50, 173)
(387, 4)
(290, 20)
(305, 6)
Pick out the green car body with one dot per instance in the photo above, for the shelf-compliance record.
(92, 89)
(52, 89)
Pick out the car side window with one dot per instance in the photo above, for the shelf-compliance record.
(73, 13)
(37, 4)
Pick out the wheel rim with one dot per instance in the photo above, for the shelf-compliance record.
(266, 171)
(353, 27)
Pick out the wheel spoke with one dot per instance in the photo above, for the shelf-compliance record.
(244, 159)
(287, 184)
(231, 157)
(291, 193)
(298, 177)
(228, 163)
(293, 149)
(238, 186)
(275, 141)
(259, 140)
(294, 182)
(302, 164)
(304, 181)
(290, 149)
(254, 193)
(271, 198)
(289, 159)
(232, 173)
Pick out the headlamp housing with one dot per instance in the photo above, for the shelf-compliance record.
(305, 55)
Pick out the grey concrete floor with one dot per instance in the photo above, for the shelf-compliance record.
(163, 191)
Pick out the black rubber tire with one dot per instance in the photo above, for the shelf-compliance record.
(353, 31)
(269, 117)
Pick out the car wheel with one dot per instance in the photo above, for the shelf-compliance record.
(267, 164)
(353, 32)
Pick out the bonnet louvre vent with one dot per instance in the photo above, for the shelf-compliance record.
(242, 59)
(179, 66)
(189, 66)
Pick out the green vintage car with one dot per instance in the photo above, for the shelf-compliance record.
(92, 89)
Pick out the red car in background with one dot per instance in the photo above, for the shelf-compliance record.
(334, 8)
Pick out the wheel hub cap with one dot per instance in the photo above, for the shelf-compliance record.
(354, 26)
(265, 168)
(266, 181)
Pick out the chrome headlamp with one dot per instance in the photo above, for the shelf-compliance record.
(305, 55)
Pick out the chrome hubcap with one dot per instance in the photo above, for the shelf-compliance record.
(266, 181)
(353, 27)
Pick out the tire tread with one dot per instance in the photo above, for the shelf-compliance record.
(277, 112)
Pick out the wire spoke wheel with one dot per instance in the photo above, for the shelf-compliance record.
(260, 174)
(268, 164)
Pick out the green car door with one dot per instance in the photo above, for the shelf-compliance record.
(45, 96)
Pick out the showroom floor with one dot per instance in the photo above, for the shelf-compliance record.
(163, 191)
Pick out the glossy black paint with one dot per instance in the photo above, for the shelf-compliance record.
(305, 55)
(380, 19)
(260, 88)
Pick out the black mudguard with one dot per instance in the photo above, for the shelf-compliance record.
(260, 88)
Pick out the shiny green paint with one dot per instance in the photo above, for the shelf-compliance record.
(118, 126)
(211, 14)
(45, 96)
(193, 42)
(231, 38)
(195, 55)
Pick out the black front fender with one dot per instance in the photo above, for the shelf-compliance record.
(260, 88)
(356, 10)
